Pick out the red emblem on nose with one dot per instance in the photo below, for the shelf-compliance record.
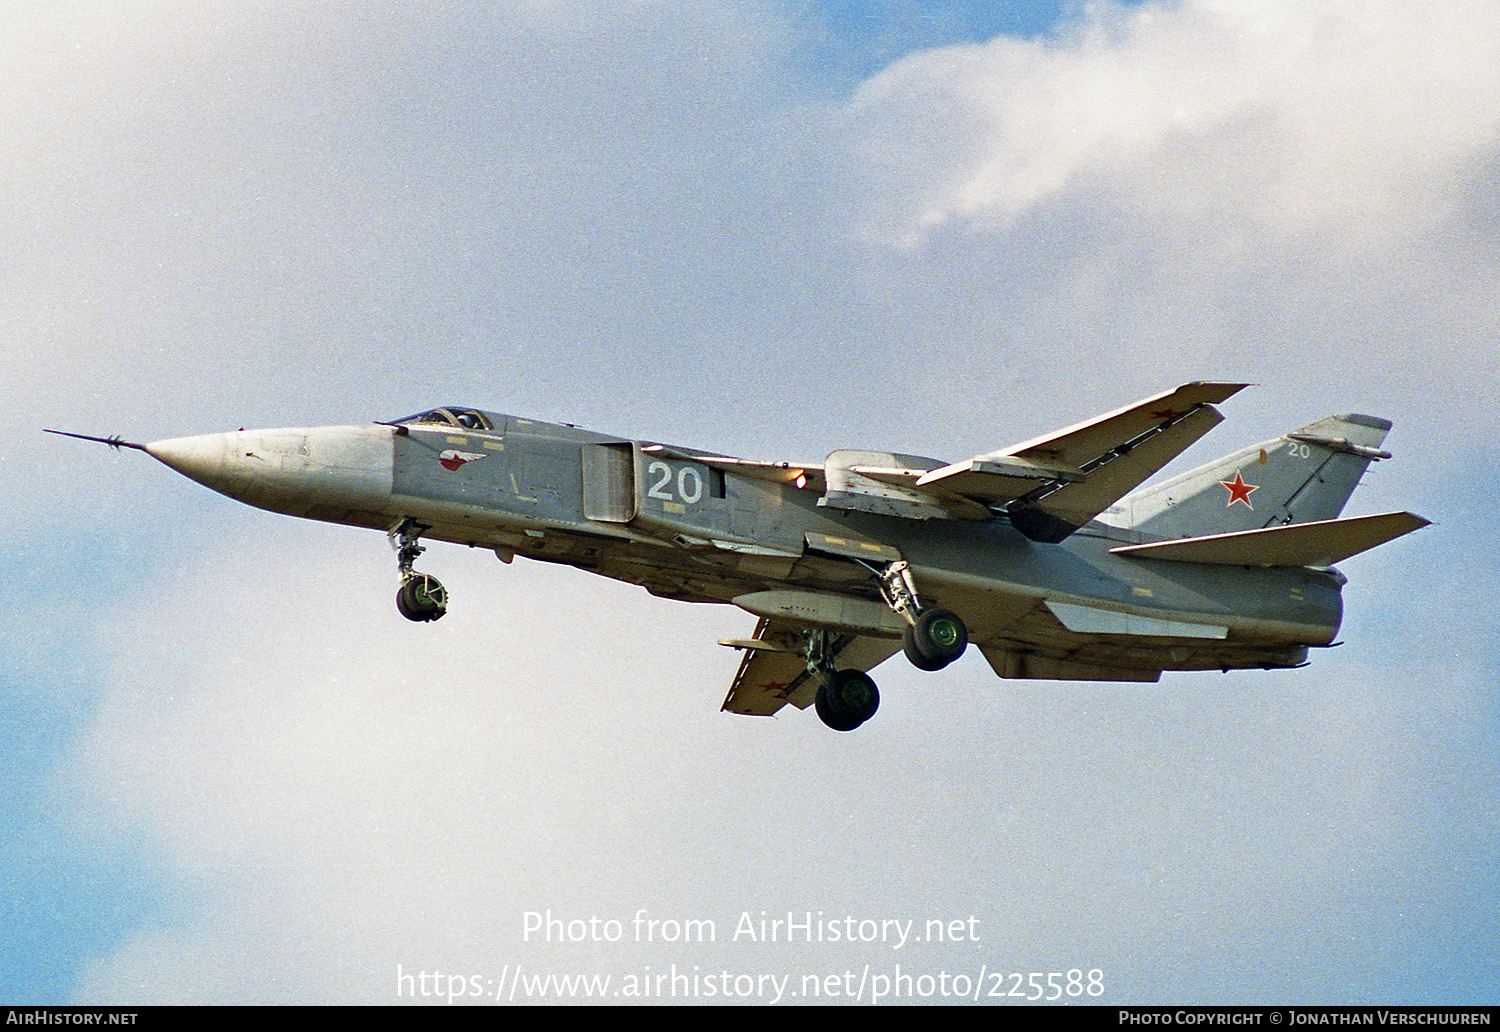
(1239, 491)
(453, 458)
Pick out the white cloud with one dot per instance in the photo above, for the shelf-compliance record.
(1333, 116)
(229, 197)
(1297, 197)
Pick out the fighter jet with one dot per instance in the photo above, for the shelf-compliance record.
(1048, 556)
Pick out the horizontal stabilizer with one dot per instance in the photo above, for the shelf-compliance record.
(1321, 543)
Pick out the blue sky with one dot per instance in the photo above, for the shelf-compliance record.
(847, 42)
(231, 774)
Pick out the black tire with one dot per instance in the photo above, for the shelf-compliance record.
(847, 700)
(422, 598)
(915, 656)
(935, 640)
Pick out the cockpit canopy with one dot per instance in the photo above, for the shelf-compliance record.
(462, 418)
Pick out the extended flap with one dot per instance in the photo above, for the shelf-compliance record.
(998, 479)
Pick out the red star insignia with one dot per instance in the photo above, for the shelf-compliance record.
(452, 459)
(1239, 491)
(1166, 413)
(774, 686)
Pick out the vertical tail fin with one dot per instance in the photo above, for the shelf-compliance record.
(1303, 476)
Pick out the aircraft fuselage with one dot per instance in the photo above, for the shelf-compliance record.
(660, 517)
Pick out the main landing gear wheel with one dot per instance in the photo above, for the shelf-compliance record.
(422, 598)
(846, 699)
(937, 638)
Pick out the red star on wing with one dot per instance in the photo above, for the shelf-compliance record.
(775, 686)
(1239, 491)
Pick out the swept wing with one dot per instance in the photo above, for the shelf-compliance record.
(1052, 484)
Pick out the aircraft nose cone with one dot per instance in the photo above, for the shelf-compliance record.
(332, 473)
(253, 466)
(203, 458)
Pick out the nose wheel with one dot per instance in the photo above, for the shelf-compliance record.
(422, 597)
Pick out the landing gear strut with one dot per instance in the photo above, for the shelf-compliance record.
(934, 637)
(422, 597)
(846, 698)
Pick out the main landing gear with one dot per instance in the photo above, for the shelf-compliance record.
(846, 698)
(933, 639)
(422, 597)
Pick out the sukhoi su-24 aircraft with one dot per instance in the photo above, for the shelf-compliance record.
(1048, 556)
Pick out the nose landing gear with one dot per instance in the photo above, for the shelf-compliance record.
(422, 597)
